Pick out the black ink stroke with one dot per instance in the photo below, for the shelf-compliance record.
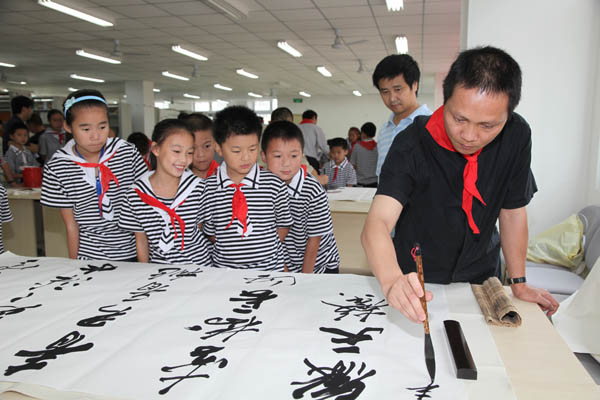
(423, 392)
(252, 299)
(101, 320)
(350, 338)
(274, 280)
(358, 307)
(233, 326)
(12, 310)
(89, 269)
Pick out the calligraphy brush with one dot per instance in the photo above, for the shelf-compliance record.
(429, 355)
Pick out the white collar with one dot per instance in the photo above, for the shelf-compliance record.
(341, 166)
(295, 186)
(252, 179)
(187, 184)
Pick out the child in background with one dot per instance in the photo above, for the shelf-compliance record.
(163, 205)
(341, 173)
(247, 209)
(310, 244)
(54, 137)
(364, 157)
(37, 128)
(5, 215)
(88, 180)
(203, 164)
(353, 138)
(142, 144)
(17, 157)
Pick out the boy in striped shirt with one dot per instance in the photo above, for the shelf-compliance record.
(246, 211)
(310, 244)
(341, 173)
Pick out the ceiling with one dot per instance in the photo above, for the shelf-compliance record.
(42, 42)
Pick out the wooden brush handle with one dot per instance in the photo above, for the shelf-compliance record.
(419, 262)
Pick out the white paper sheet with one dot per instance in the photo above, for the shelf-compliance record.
(153, 321)
(352, 194)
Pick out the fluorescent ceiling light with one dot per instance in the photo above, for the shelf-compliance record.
(259, 96)
(288, 49)
(356, 93)
(190, 96)
(247, 74)
(401, 44)
(7, 65)
(74, 13)
(155, 90)
(235, 10)
(178, 49)
(72, 89)
(42, 100)
(304, 94)
(174, 76)
(5, 90)
(222, 101)
(85, 53)
(219, 86)
(324, 71)
(86, 78)
(18, 82)
(395, 5)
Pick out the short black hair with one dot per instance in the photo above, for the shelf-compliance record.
(488, 69)
(368, 129)
(140, 141)
(198, 122)
(16, 126)
(52, 112)
(338, 142)
(70, 113)
(18, 102)
(282, 114)
(235, 120)
(182, 115)
(285, 130)
(309, 114)
(35, 120)
(395, 65)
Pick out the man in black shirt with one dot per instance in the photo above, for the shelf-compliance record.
(447, 180)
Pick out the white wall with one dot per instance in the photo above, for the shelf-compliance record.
(556, 44)
(338, 113)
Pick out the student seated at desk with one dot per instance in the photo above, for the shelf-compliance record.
(162, 207)
(339, 170)
(247, 209)
(5, 214)
(310, 244)
(18, 156)
(88, 180)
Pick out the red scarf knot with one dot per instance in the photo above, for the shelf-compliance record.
(335, 171)
(212, 168)
(437, 130)
(239, 207)
(369, 145)
(306, 121)
(303, 169)
(106, 175)
(154, 202)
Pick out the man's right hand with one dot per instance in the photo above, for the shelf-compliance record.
(405, 295)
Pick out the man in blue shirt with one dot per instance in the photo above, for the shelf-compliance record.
(397, 79)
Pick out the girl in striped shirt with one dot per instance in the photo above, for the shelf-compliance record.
(88, 179)
(163, 205)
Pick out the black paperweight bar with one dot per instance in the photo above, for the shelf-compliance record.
(463, 361)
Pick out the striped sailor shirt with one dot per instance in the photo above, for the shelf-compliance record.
(311, 215)
(339, 175)
(69, 183)
(255, 244)
(171, 225)
(5, 214)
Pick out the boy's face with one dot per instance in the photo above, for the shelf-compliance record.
(203, 150)
(283, 158)
(240, 153)
(337, 154)
(56, 122)
(20, 136)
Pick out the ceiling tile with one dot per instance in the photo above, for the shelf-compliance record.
(185, 8)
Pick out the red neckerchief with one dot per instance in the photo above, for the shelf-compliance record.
(154, 202)
(239, 207)
(307, 121)
(106, 175)
(146, 159)
(303, 169)
(437, 130)
(370, 145)
(335, 170)
(212, 168)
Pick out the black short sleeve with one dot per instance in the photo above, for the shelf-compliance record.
(522, 183)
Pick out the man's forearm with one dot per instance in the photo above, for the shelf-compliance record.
(514, 235)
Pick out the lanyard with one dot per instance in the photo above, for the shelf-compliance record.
(98, 183)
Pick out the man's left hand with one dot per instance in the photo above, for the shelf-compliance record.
(535, 295)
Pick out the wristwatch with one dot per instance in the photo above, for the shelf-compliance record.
(512, 281)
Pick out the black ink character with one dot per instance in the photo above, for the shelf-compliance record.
(101, 320)
(359, 307)
(37, 359)
(336, 382)
(233, 326)
(61, 281)
(252, 299)
(11, 310)
(175, 273)
(202, 357)
(274, 280)
(350, 338)
(146, 290)
(93, 268)
(27, 264)
(423, 392)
